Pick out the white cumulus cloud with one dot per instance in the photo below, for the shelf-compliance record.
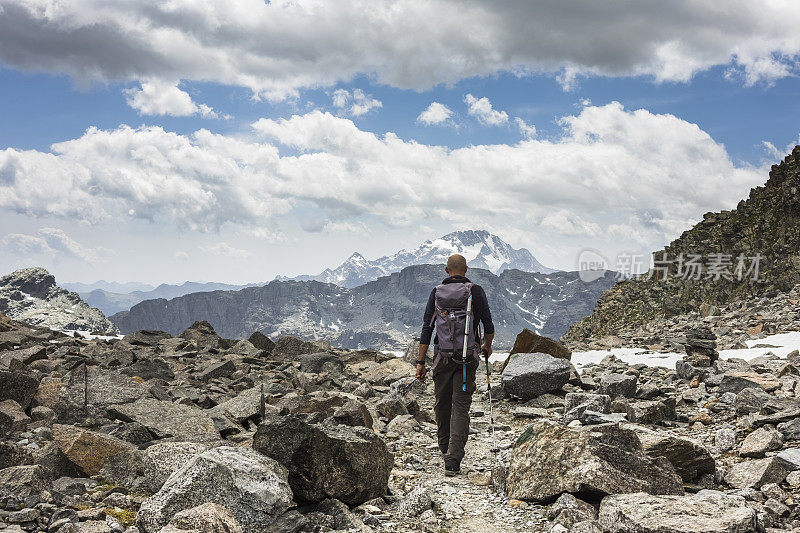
(565, 222)
(481, 108)
(51, 242)
(527, 130)
(435, 113)
(226, 250)
(156, 97)
(607, 165)
(357, 103)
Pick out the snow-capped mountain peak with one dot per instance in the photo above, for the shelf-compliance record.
(481, 249)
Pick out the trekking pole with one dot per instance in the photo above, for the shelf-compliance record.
(466, 341)
(495, 449)
(404, 388)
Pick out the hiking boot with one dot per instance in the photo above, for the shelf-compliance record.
(451, 468)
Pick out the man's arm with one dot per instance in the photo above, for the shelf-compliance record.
(486, 320)
(426, 334)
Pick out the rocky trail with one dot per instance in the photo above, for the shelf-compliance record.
(195, 432)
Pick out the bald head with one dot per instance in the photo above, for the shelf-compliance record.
(456, 265)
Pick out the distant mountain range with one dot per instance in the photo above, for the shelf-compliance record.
(113, 302)
(384, 313)
(109, 286)
(480, 248)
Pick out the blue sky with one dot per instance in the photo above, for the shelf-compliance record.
(40, 109)
(103, 173)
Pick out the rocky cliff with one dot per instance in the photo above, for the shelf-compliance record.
(725, 245)
(382, 313)
(31, 295)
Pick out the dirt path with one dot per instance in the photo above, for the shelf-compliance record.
(469, 502)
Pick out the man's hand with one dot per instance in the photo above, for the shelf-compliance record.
(486, 347)
(421, 371)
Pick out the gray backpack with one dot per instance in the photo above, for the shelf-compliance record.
(450, 317)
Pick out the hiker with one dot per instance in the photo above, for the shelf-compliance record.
(454, 374)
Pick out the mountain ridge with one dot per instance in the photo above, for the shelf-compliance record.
(383, 313)
(110, 302)
(481, 249)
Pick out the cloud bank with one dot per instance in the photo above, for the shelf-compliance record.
(612, 172)
(277, 48)
(51, 242)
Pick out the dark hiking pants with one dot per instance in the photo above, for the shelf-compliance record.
(452, 406)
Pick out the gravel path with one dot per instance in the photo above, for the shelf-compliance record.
(470, 502)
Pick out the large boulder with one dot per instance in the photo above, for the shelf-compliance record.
(577, 403)
(320, 361)
(217, 370)
(549, 459)
(246, 405)
(759, 442)
(707, 511)
(529, 342)
(755, 474)
(618, 385)
(88, 450)
(154, 368)
(736, 382)
(289, 347)
(388, 372)
(528, 375)
(163, 459)
(261, 341)
(689, 457)
(252, 487)
(12, 417)
(203, 334)
(98, 388)
(18, 386)
(205, 518)
(146, 337)
(350, 464)
(23, 481)
(167, 419)
(651, 411)
(751, 400)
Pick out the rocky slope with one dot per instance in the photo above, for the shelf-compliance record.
(481, 248)
(381, 314)
(767, 223)
(155, 433)
(31, 295)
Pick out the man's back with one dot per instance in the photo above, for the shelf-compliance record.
(454, 374)
(481, 314)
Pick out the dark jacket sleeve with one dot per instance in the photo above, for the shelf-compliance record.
(485, 312)
(427, 327)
